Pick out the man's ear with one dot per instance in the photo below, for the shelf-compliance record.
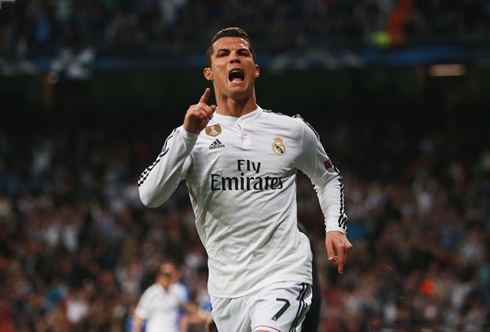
(208, 73)
(257, 71)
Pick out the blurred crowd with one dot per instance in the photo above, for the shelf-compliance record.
(77, 248)
(181, 25)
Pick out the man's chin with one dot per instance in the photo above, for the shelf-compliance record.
(240, 95)
(239, 92)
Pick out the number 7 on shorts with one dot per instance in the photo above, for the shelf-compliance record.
(282, 310)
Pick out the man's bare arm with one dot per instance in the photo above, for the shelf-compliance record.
(137, 323)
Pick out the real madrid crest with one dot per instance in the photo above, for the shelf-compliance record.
(278, 146)
(214, 130)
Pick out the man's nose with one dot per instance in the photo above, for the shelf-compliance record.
(234, 58)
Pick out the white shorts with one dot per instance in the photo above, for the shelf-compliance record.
(280, 307)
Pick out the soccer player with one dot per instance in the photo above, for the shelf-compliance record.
(239, 162)
(159, 305)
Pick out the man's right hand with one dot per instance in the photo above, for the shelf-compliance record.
(198, 116)
(210, 325)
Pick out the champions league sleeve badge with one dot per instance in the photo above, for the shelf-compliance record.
(278, 146)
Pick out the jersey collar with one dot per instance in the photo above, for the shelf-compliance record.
(246, 118)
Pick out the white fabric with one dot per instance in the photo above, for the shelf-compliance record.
(160, 308)
(243, 192)
(281, 306)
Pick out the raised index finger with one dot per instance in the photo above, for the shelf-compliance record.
(205, 96)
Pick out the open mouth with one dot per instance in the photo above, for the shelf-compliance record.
(236, 75)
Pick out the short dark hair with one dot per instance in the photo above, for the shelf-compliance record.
(228, 32)
(160, 272)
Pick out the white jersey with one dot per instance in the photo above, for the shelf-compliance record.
(241, 175)
(160, 308)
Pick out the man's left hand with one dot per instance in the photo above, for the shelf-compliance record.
(338, 249)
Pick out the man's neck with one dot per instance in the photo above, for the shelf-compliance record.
(236, 107)
(164, 285)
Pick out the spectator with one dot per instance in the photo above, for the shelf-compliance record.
(37, 26)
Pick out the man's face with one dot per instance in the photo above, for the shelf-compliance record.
(168, 275)
(233, 70)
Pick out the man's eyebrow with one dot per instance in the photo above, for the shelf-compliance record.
(222, 49)
(227, 49)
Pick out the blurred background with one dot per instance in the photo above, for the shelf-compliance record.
(398, 89)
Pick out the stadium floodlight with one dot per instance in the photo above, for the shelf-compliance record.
(5, 1)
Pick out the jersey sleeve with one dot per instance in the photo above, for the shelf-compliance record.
(326, 178)
(142, 309)
(157, 183)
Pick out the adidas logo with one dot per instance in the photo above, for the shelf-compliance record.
(216, 145)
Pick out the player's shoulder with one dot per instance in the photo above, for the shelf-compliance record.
(293, 121)
(278, 118)
(152, 290)
(150, 294)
